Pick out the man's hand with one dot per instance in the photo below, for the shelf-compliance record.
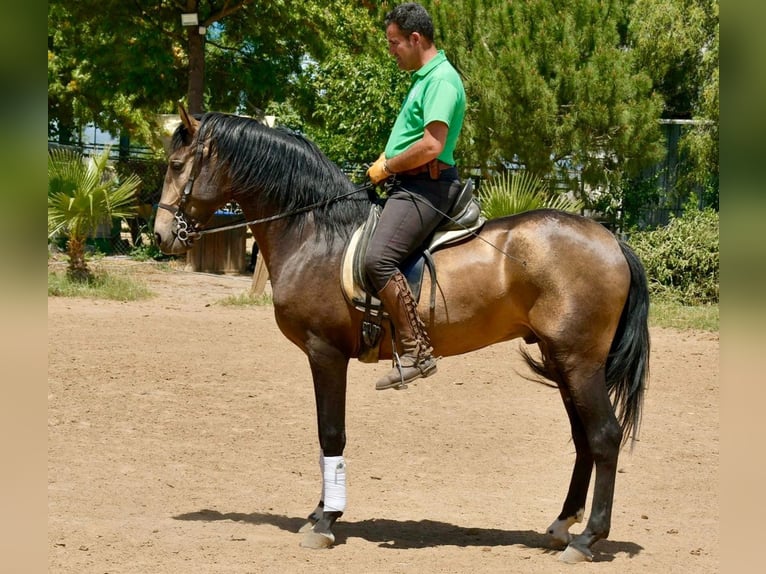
(378, 171)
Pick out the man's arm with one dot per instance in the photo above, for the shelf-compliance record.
(422, 151)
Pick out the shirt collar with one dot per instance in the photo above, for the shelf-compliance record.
(430, 65)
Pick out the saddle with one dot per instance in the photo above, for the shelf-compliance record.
(463, 220)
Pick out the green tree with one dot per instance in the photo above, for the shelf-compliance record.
(568, 89)
(677, 42)
(552, 87)
(83, 195)
(347, 100)
(117, 63)
(673, 40)
(350, 104)
(701, 143)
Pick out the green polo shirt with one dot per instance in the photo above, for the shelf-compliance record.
(436, 95)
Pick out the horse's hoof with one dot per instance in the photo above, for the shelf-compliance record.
(308, 527)
(573, 555)
(317, 540)
(558, 543)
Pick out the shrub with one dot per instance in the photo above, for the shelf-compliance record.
(682, 259)
(511, 193)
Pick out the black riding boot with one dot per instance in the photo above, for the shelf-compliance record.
(415, 360)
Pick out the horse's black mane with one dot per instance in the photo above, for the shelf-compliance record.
(285, 169)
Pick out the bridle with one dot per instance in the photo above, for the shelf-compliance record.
(185, 227)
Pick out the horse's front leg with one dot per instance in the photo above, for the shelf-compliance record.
(329, 368)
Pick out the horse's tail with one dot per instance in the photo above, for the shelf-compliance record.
(627, 366)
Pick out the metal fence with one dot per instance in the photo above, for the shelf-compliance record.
(666, 177)
(116, 152)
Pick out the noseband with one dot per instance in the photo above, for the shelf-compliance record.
(185, 227)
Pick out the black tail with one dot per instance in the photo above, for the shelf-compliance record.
(627, 366)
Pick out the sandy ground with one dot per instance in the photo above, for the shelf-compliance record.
(182, 439)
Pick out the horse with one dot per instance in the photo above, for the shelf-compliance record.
(559, 280)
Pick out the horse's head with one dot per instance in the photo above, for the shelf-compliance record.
(190, 195)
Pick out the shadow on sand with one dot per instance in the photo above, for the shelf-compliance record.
(411, 534)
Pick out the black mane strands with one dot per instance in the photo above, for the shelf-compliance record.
(285, 170)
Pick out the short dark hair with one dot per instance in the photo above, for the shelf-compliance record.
(412, 17)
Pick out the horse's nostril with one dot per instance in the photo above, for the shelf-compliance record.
(158, 238)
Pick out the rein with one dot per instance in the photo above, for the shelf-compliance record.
(198, 233)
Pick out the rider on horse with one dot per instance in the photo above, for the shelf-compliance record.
(418, 159)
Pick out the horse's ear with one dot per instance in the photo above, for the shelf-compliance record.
(190, 122)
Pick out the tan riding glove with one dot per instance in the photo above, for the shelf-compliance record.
(379, 170)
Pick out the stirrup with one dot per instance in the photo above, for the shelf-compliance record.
(400, 385)
(398, 364)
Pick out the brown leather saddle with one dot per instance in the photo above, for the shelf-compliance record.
(463, 220)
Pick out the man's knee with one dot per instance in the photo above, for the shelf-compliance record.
(370, 263)
(374, 271)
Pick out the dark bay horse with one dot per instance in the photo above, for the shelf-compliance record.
(552, 278)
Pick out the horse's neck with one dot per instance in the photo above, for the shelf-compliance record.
(286, 249)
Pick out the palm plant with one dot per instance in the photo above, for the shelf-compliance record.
(514, 192)
(82, 195)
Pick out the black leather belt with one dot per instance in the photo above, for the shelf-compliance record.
(434, 168)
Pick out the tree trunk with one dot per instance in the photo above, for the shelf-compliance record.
(78, 267)
(196, 64)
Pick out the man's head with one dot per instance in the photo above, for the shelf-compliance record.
(412, 17)
(410, 35)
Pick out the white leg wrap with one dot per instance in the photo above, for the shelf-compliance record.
(321, 471)
(334, 476)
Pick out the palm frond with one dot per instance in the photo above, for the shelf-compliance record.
(516, 192)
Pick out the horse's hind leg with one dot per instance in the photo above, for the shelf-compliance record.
(597, 436)
(574, 505)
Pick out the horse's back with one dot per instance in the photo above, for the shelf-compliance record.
(544, 246)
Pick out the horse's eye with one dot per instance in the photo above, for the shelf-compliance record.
(176, 165)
